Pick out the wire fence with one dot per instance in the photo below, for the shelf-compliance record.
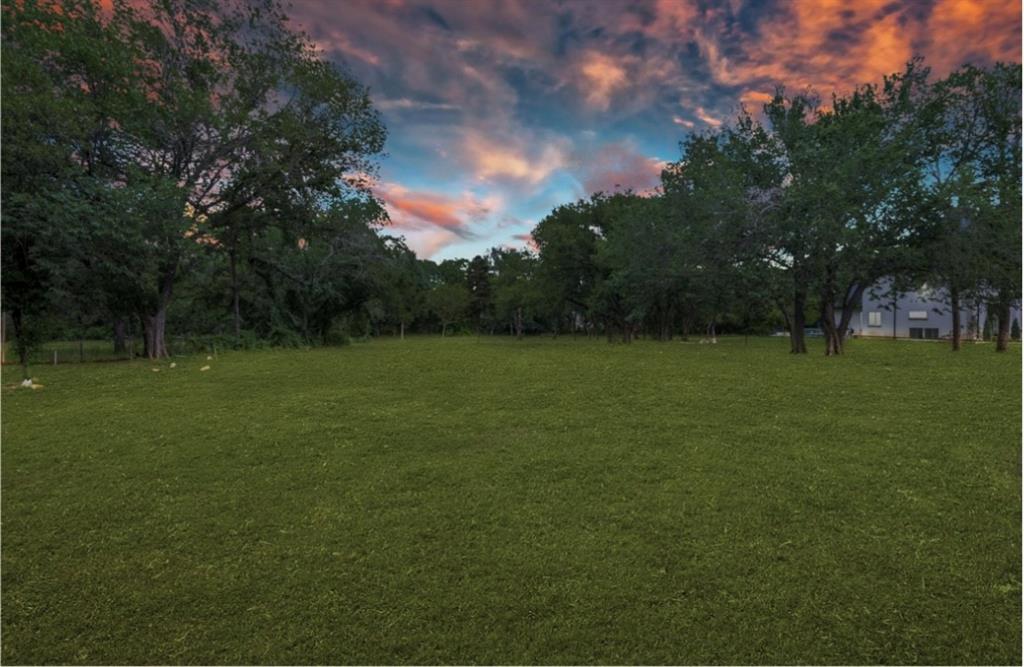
(92, 351)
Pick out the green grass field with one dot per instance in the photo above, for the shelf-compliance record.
(486, 500)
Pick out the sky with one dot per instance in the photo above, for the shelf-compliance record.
(497, 112)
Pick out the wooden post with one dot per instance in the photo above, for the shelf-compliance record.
(55, 357)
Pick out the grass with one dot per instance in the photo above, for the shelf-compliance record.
(485, 500)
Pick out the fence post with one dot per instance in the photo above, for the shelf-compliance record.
(55, 357)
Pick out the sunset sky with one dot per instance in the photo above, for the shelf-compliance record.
(497, 112)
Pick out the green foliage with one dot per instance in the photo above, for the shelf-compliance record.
(450, 302)
(148, 135)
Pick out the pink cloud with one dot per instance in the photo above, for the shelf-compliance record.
(527, 241)
(500, 155)
(601, 77)
(428, 242)
(706, 117)
(619, 166)
(418, 210)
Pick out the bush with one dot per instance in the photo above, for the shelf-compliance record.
(283, 337)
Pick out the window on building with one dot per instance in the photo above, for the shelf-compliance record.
(931, 334)
(916, 332)
(918, 315)
(875, 318)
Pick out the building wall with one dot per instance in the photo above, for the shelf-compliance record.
(896, 317)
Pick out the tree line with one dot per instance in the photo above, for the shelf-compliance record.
(199, 167)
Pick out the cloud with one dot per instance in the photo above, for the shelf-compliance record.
(410, 209)
(753, 100)
(339, 43)
(426, 243)
(602, 76)
(706, 117)
(501, 157)
(832, 44)
(404, 103)
(521, 105)
(619, 166)
(527, 241)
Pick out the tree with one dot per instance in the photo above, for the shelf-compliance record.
(516, 291)
(720, 194)
(321, 266)
(478, 280)
(201, 109)
(998, 195)
(851, 177)
(450, 302)
(402, 283)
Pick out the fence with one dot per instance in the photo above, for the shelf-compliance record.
(87, 351)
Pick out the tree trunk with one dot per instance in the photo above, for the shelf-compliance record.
(519, 323)
(895, 310)
(154, 331)
(1003, 339)
(796, 331)
(851, 302)
(154, 324)
(20, 340)
(712, 333)
(120, 335)
(236, 313)
(954, 303)
(833, 344)
(401, 330)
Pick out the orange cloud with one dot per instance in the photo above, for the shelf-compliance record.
(706, 117)
(491, 158)
(834, 44)
(754, 100)
(602, 77)
(410, 209)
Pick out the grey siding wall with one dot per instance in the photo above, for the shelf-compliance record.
(895, 318)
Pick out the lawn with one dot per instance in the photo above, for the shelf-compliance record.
(486, 500)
